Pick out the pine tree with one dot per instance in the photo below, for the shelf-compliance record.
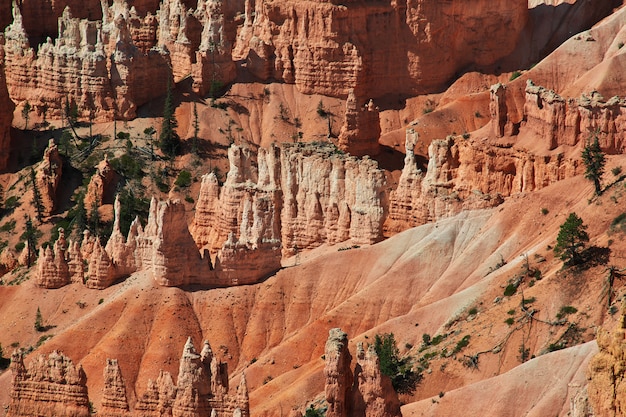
(37, 203)
(196, 129)
(26, 113)
(31, 235)
(399, 370)
(571, 240)
(79, 215)
(169, 141)
(39, 321)
(594, 161)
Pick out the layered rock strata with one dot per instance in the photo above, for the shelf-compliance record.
(118, 59)
(54, 386)
(51, 386)
(368, 393)
(571, 121)
(469, 172)
(330, 47)
(92, 65)
(298, 196)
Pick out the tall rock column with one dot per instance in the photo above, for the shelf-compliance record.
(498, 109)
(6, 118)
(114, 401)
(373, 394)
(361, 129)
(338, 374)
(214, 65)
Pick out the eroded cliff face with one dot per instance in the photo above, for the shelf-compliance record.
(377, 48)
(109, 59)
(54, 386)
(6, 117)
(51, 386)
(606, 373)
(298, 196)
(474, 171)
(93, 65)
(368, 393)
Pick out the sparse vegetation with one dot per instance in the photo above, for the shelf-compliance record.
(571, 240)
(169, 141)
(514, 75)
(400, 370)
(616, 170)
(594, 161)
(565, 311)
(183, 180)
(39, 321)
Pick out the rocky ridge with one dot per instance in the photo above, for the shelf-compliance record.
(474, 171)
(101, 61)
(54, 386)
(51, 387)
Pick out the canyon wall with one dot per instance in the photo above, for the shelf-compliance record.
(406, 46)
(300, 196)
(53, 386)
(275, 202)
(108, 59)
(6, 118)
(473, 171)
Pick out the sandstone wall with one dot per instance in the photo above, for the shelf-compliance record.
(51, 386)
(6, 118)
(378, 48)
(54, 387)
(298, 196)
(606, 373)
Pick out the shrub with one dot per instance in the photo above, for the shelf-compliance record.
(510, 290)
(461, 344)
(510, 321)
(472, 311)
(314, 412)
(426, 339)
(39, 322)
(403, 378)
(514, 75)
(183, 180)
(616, 171)
(565, 311)
(544, 211)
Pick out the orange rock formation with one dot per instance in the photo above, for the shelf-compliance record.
(607, 372)
(51, 387)
(368, 394)
(54, 386)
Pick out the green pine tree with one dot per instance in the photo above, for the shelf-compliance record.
(26, 113)
(37, 203)
(196, 129)
(39, 322)
(399, 370)
(169, 141)
(571, 240)
(594, 161)
(31, 235)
